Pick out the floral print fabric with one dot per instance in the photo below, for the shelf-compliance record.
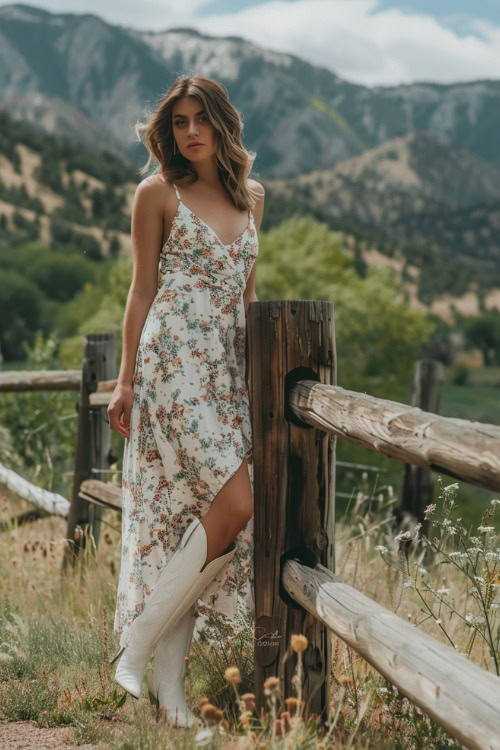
(190, 422)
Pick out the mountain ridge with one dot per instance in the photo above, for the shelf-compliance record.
(298, 117)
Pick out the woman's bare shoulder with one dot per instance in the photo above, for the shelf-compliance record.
(155, 185)
(157, 193)
(256, 187)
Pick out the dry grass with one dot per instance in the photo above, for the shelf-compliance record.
(55, 635)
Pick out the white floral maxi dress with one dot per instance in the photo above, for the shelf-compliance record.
(190, 421)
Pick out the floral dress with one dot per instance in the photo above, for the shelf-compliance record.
(190, 422)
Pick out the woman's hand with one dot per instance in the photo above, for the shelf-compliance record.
(119, 409)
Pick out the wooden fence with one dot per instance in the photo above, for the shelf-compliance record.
(298, 412)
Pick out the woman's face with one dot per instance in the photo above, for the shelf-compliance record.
(190, 124)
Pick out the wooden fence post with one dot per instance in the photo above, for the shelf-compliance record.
(294, 489)
(416, 484)
(93, 441)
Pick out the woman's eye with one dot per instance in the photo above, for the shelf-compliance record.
(182, 122)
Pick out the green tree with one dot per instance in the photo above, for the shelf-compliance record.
(98, 308)
(377, 334)
(21, 310)
(483, 332)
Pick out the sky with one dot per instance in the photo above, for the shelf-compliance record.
(371, 42)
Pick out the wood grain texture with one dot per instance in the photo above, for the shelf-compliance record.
(460, 448)
(458, 694)
(50, 502)
(293, 486)
(41, 380)
(101, 493)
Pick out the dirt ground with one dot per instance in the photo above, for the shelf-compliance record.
(20, 735)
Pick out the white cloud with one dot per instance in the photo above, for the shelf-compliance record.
(374, 48)
(349, 37)
(148, 14)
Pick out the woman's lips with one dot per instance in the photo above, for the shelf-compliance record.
(196, 145)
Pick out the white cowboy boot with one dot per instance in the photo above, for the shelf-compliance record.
(180, 584)
(166, 687)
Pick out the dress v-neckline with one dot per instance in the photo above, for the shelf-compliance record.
(230, 245)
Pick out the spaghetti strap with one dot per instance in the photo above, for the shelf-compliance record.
(177, 192)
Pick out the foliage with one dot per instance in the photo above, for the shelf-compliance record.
(99, 309)
(41, 425)
(21, 309)
(58, 276)
(67, 239)
(376, 333)
(475, 557)
(483, 332)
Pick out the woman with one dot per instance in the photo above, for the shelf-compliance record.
(181, 400)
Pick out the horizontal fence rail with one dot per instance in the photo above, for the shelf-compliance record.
(41, 380)
(458, 694)
(460, 448)
(101, 493)
(49, 502)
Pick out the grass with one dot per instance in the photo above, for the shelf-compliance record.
(56, 634)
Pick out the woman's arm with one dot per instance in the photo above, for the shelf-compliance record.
(146, 232)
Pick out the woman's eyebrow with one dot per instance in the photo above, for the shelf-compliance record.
(201, 112)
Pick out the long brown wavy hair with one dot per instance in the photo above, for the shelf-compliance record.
(234, 161)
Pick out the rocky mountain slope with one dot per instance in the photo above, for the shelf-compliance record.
(298, 117)
(418, 189)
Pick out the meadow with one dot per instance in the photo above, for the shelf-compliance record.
(56, 635)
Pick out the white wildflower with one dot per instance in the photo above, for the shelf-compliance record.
(493, 556)
(474, 590)
(423, 571)
(475, 619)
(458, 555)
(476, 540)
(409, 584)
(475, 550)
(443, 590)
(382, 690)
(479, 578)
(486, 529)
(381, 548)
(450, 488)
(429, 510)
(438, 622)
(446, 522)
(495, 501)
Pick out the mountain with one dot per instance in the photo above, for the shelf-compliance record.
(61, 195)
(72, 200)
(60, 118)
(298, 117)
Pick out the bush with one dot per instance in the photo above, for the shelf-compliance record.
(21, 308)
(460, 374)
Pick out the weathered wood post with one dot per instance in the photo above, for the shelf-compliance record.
(294, 489)
(93, 441)
(416, 485)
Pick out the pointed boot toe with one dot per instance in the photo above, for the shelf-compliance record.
(130, 669)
